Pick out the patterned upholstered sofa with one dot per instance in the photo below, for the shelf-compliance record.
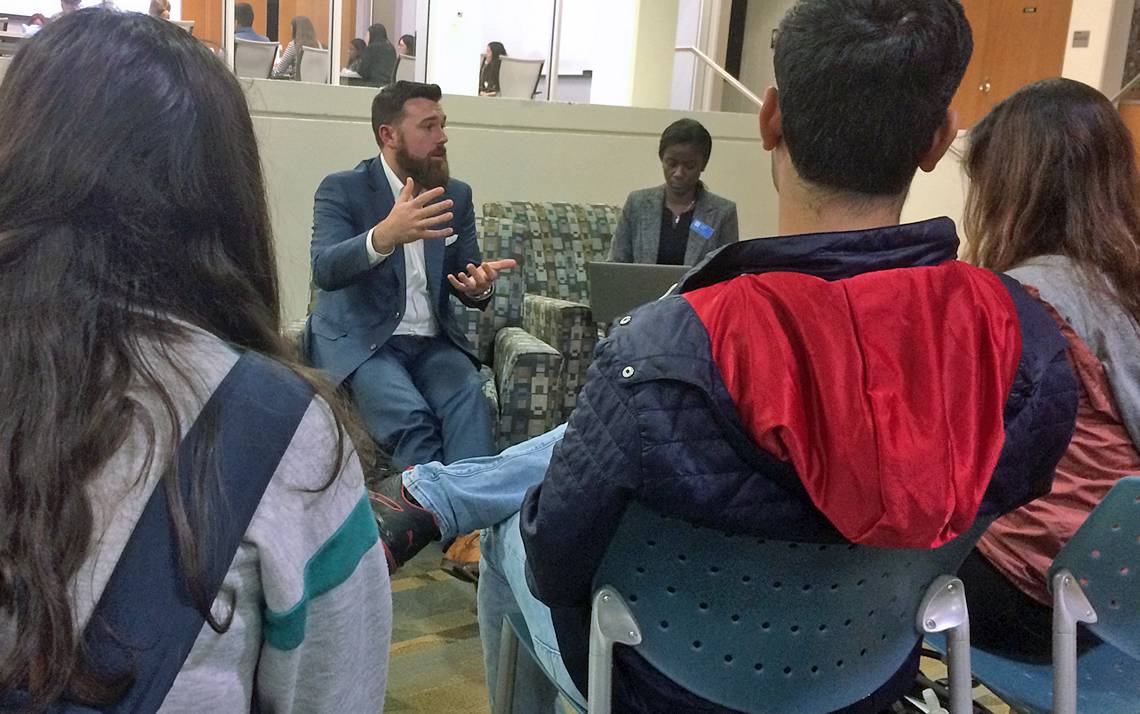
(542, 304)
(521, 372)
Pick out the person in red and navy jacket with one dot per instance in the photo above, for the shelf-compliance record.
(849, 380)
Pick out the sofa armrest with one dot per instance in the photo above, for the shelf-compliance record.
(570, 328)
(527, 376)
(295, 334)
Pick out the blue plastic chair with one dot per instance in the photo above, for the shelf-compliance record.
(760, 625)
(1094, 580)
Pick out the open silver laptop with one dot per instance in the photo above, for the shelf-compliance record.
(617, 288)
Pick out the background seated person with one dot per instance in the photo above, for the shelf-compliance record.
(116, 346)
(407, 45)
(489, 65)
(356, 50)
(304, 35)
(848, 380)
(243, 23)
(1055, 201)
(378, 64)
(679, 222)
(393, 240)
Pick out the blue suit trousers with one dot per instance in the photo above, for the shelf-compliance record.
(421, 399)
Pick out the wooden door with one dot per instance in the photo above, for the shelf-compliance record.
(260, 16)
(1016, 42)
(207, 17)
(1130, 112)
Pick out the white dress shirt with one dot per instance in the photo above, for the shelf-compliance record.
(418, 318)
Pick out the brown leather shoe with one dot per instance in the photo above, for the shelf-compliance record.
(461, 559)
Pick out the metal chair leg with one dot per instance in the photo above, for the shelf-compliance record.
(943, 609)
(1070, 606)
(610, 622)
(508, 668)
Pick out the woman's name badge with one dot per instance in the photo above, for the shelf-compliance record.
(702, 229)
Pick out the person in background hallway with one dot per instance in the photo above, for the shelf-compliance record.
(127, 232)
(304, 35)
(160, 9)
(243, 23)
(66, 7)
(407, 45)
(378, 68)
(393, 241)
(847, 380)
(1055, 202)
(489, 69)
(356, 54)
(35, 24)
(679, 222)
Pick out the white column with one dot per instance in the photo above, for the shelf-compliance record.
(335, 40)
(653, 57)
(1101, 63)
(454, 33)
(635, 41)
(554, 59)
(228, 32)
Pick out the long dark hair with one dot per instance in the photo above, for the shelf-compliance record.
(1052, 171)
(409, 44)
(133, 202)
(359, 45)
(489, 77)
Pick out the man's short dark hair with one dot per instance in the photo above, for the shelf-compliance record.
(243, 14)
(864, 86)
(388, 106)
(686, 131)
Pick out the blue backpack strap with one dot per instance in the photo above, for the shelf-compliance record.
(145, 621)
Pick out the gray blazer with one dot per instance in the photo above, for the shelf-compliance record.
(638, 234)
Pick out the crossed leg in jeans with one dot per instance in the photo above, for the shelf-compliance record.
(486, 493)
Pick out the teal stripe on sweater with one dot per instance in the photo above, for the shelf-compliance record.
(329, 567)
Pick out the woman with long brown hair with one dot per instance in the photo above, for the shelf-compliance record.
(1054, 201)
(175, 491)
(304, 35)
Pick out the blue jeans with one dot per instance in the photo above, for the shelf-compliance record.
(485, 494)
(422, 400)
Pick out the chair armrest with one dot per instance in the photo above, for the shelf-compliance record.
(527, 375)
(570, 328)
(294, 334)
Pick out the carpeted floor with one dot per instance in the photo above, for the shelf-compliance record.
(436, 664)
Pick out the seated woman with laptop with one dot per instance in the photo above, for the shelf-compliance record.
(679, 222)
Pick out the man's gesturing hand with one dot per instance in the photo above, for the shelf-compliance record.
(411, 219)
(479, 278)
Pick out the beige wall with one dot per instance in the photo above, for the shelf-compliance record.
(506, 149)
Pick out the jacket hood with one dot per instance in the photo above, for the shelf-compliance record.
(885, 391)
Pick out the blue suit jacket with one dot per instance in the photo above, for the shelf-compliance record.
(359, 305)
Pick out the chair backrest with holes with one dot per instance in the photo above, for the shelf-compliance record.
(253, 59)
(1104, 556)
(314, 66)
(763, 625)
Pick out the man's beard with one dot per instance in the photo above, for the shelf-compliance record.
(426, 172)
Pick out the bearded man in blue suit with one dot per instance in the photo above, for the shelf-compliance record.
(393, 240)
